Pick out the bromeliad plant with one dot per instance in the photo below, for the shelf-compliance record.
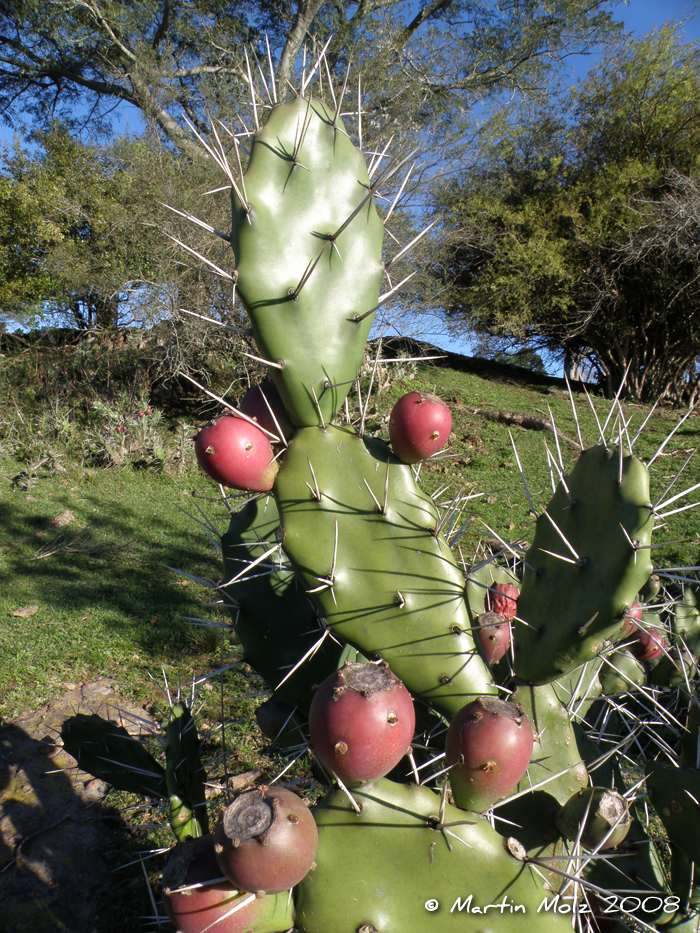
(337, 572)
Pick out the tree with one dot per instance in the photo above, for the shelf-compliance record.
(171, 57)
(82, 233)
(577, 231)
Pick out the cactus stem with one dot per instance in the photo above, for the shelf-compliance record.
(386, 489)
(376, 501)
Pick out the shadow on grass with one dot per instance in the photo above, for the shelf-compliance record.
(115, 566)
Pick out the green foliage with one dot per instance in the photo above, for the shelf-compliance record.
(67, 241)
(421, 66)
(561, 236)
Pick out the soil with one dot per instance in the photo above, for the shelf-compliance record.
(55, 831)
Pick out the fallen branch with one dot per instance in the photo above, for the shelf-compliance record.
(523, 420)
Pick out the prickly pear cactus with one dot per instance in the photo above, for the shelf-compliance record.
(346, 559)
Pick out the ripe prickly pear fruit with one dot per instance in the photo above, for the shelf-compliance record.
(261, 403)
(266, 840)
(195, 896)
(361, 721)
(419, 426)
(648, 646)
(489, 746)
(503, 598)
(236, 453)
(493, 632)
(604, 815)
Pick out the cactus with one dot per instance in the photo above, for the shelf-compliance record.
(345, 559)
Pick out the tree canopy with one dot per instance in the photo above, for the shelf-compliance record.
(64, 58)
(577, 230)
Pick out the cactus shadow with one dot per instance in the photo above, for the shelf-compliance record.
(53, 836)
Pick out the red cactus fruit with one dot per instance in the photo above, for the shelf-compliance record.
(647, 644)
(503, 598)
(489, 746)
(140, 414)
(193, 909)
(419, 426)
(361, 721)
(266, 840)
(493, 633)
(236, 453)
(254, 405)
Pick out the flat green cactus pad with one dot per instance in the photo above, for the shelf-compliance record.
(386, 868)
(382, 578)
(581, 571)
(308, 248)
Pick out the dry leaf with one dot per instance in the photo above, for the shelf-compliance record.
(25, 611)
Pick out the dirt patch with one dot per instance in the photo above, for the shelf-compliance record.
(54, 829)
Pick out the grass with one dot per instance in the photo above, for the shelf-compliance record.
(90, 548)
